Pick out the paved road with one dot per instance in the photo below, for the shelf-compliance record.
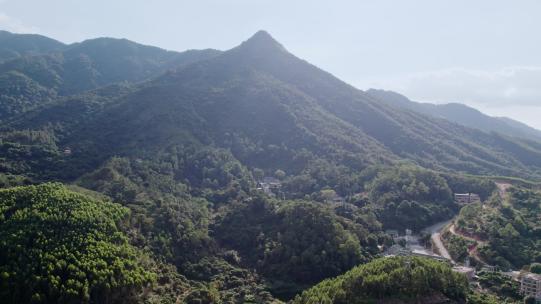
(436, 240)
(435, 236)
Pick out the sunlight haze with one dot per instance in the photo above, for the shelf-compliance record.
(396, 45)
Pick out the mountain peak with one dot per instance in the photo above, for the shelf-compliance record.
(262, 41)
(262, 35)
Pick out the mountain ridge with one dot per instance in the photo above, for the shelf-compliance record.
(187, 152)
(16, 45)
(461, 114)
(214, 101)
(30, 80)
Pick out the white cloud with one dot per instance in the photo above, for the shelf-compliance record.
(15, 25)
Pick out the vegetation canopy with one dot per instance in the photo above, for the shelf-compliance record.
(57, 246)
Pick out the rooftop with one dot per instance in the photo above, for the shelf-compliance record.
(532, 276)
(463, 269)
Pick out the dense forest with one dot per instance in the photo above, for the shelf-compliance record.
(131, 174)
(32, 78)
(60, 246)
(233, 100)
(408, 279)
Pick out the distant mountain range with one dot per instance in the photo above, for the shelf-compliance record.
(17, 45)
(460, 114)
(181, 140)
(42, 69)
(259, 101)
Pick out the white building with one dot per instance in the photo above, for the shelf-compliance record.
(489, 268)
(530, 286)
(269, 185)
(466, 198)
(335, 199)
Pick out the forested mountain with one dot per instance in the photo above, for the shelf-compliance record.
(273, 111)
(526, 130)
(391, 280)
(60, 246)
(16, 45)
(44, 74)
(181, 140)
(460, 114)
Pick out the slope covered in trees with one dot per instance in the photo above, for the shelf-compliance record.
(461, 114)
(407, 197)
(297, 244)
(508, 227)
(184, 152)
(17, 45)
(45, 71)
(412, 280)
(273, 111)
(57, 246)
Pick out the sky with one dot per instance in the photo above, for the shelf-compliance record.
(484, 53)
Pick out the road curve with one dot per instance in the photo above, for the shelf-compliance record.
(435, 236)
(436, 240)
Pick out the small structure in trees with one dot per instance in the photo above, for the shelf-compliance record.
(269, 185)
(466, 198)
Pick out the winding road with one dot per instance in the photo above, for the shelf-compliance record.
(436, 229)
(435, 236)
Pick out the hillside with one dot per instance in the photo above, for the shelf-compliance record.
(45, 74)
(391, 280)
(507, 229)
(60, 246)
(258, 97)
(184, 150)
(517, 125)
(461, 114)
(17, 45)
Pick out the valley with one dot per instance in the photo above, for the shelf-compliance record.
(132, 174)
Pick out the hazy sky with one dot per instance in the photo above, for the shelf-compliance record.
(485, 53)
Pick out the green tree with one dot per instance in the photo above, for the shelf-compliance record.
(535, 268)
(258, 174)
(63, 247)
(530, 300)
(280, 174)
